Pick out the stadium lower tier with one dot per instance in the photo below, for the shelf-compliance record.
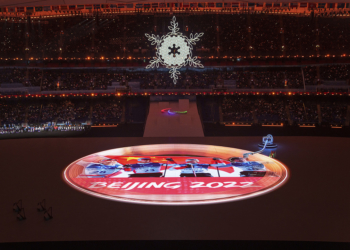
(47, 114)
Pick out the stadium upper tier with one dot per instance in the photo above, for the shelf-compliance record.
(324, 78)
(80, 2)
(104, 36)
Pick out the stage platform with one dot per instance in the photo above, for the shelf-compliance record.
(312, 206)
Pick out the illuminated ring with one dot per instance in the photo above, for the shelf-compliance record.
(266, 184)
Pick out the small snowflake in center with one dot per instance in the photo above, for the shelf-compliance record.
(174, 50)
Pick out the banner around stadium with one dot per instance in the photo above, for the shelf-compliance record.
(175, 174)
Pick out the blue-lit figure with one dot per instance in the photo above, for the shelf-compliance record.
(249, 168)
(144, 168)
(103, 169)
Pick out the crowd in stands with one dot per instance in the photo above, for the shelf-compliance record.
(233, 38)
(265, 35)
(75, 80)
(228, 34)
(310, 75)
(294, 110)
(333, 112)
(237, 109)
(287, 110)
(186, 80)
(297, 110)
(335, 72)
(332, 35)
(48, 112)
(244, 78)
(268, 110)
(13, 113)
(54, 79)
(13, 75)
(207, 24)
(267, 78)
(15, 129)
(103, 112)
(311, 111)
(33, 113)
(61, 112)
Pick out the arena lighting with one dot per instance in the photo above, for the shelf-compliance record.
(238, 125)
(107, 174)
(336, 126)
(174, 50)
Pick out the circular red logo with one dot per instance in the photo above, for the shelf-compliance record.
(175, 174)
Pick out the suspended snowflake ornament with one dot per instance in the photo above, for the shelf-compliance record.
(174, 50)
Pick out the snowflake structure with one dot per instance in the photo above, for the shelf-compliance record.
(174, 50)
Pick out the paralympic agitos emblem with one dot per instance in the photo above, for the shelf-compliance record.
(168, 110)
(175, 174)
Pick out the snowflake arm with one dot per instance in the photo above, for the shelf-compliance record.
(154, 39)
(155, 62)
(193, 61)
(174, 26)
(194, 38)
(174, 74)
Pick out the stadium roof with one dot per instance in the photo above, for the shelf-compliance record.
(67, 2)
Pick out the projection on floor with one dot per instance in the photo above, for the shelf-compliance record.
(176, 174)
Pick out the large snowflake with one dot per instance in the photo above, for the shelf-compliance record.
(174, 50)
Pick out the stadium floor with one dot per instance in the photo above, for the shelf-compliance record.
(312, 206)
